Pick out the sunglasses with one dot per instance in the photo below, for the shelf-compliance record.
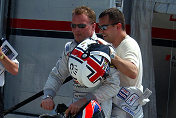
(78, 25)
(105, 27)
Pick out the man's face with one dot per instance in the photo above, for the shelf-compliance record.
(108, 30)
(81, 27)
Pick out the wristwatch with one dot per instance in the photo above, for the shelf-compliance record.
(112, 55)
(47, 96)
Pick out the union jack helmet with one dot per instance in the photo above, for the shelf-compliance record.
(91, 110)
(89, 62)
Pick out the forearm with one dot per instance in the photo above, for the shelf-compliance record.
(55, 79)
(52, 84)
(9, 65)
(126, 67)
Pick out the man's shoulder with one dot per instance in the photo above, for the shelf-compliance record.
(130, 39)
(69, 46)
(128, 43)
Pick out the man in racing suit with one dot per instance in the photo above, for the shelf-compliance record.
(83, 26)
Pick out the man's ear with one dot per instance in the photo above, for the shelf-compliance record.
(119, 26)
(94, 25)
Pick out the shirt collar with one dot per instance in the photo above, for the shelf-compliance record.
(94, 36)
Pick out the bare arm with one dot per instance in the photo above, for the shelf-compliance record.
(9, 65)
(126, 67)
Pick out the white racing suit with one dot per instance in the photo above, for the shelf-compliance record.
(102, 94)
(130, 100)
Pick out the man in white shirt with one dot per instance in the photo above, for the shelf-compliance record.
(127, 59)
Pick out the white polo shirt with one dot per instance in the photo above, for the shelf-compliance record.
(130, 50)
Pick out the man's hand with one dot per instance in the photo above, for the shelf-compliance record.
(47, 104)
(74, 108)
(1, 53)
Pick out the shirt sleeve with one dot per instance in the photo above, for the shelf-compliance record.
(16, 61)
(57, 76)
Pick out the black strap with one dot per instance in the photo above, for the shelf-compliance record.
(99, 114)
(23, 102)
(68, 79)
(37, 95)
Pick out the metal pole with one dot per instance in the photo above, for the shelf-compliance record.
(23, 102)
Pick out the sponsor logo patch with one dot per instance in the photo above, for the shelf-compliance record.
(132, 99)
(123, 93)
(128, 110)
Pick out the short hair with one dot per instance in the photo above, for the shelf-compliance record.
(115, 16)
(87, 11)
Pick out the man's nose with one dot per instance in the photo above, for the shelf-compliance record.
(75, 29)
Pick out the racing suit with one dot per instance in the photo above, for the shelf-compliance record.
(102, 93)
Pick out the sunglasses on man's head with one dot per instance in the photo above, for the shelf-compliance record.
(78, 25)
(105, 27)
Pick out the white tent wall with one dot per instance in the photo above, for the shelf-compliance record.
(165, 70)
(166, 83)
(165, 6)
(141, 24)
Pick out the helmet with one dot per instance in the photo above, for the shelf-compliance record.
(91, 110)
(89, 62)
